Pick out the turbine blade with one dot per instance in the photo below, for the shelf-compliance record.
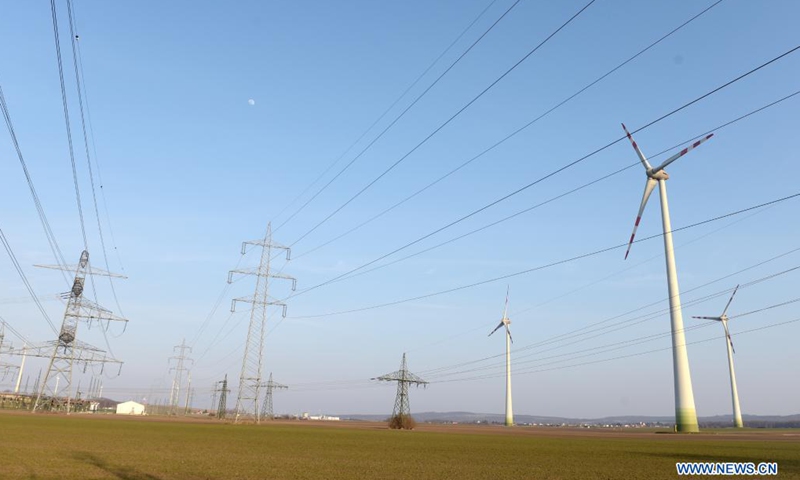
(730, 300)
(648, 189)
(509, 334)
(505, 310)
(728, 334)
(495, 329)
(682, 153)
(709, 318)
(636, 147)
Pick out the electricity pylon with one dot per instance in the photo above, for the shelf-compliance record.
(250, 379)
(402, 410)
(179, 368)
(270, 386)
(6, 368)
(223, 398)
(66, 350)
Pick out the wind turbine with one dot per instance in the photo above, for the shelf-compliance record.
(737, 412)
(685, 413)
(505, 321)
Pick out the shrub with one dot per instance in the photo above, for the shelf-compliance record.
(402, 422)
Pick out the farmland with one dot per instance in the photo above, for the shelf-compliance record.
(107, 447)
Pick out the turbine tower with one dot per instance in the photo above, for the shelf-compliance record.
(723, 319)
(66, 350)
(505, 321)
(266, 409)
(401, 415)
(685, 412)
(251, 380)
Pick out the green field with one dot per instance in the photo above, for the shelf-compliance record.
(83, 447)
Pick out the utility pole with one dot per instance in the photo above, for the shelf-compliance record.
(66, 349)
(401, 415)
(223, 398)
(180, 366)
(251, 379)
(266, 409)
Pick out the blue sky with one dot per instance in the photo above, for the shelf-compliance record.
(190, 169)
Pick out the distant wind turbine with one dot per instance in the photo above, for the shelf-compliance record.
(685, 412)
(505, 321)
(737, 412)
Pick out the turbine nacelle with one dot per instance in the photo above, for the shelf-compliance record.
(657, 174)
(504, 322)
(724, 318)
(654, 175)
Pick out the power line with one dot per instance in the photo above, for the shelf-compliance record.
(25, 281)
(604, 326)
(67, 122)
(81, 87)
(396, 120)
(48, 231)
(558, 262)
(14, 331)
(388, 109)
(527, 372)
(440, 127)
(547, 176)
(509, 136)
(607, 330)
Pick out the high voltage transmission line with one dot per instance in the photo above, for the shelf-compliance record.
(604, 327)
(640, 52)
(551, 174)
(589, 329)
(552, 264)
(607, 347)
(48, 231)
(507, 137)
(593, 362)
(67, 122)
(446, 122)
(557, 197)
(83, 111)
(389, 109)
(225, 289)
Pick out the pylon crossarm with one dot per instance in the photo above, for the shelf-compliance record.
(89, 270)
(269, 244)
(93, 311)
(81, 352)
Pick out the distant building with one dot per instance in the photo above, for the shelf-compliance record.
(327, 418)
(130, 408)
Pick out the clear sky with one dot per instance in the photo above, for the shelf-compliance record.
(191, 167)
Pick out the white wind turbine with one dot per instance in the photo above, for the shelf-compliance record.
(737, 412)
(505, 321)
(685, 413)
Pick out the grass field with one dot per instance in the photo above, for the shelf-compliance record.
(95, 447)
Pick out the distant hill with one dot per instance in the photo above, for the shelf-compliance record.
(774, 421)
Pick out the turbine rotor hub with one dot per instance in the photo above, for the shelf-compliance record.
(659, 175)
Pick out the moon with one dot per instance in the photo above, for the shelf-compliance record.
(251, 101)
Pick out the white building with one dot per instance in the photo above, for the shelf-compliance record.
(130, 408)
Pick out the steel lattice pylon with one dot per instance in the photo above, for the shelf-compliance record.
(270, 386)
(55, 390)
(223, 398)
(404, 378)
(177, 382)
(250, 379)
